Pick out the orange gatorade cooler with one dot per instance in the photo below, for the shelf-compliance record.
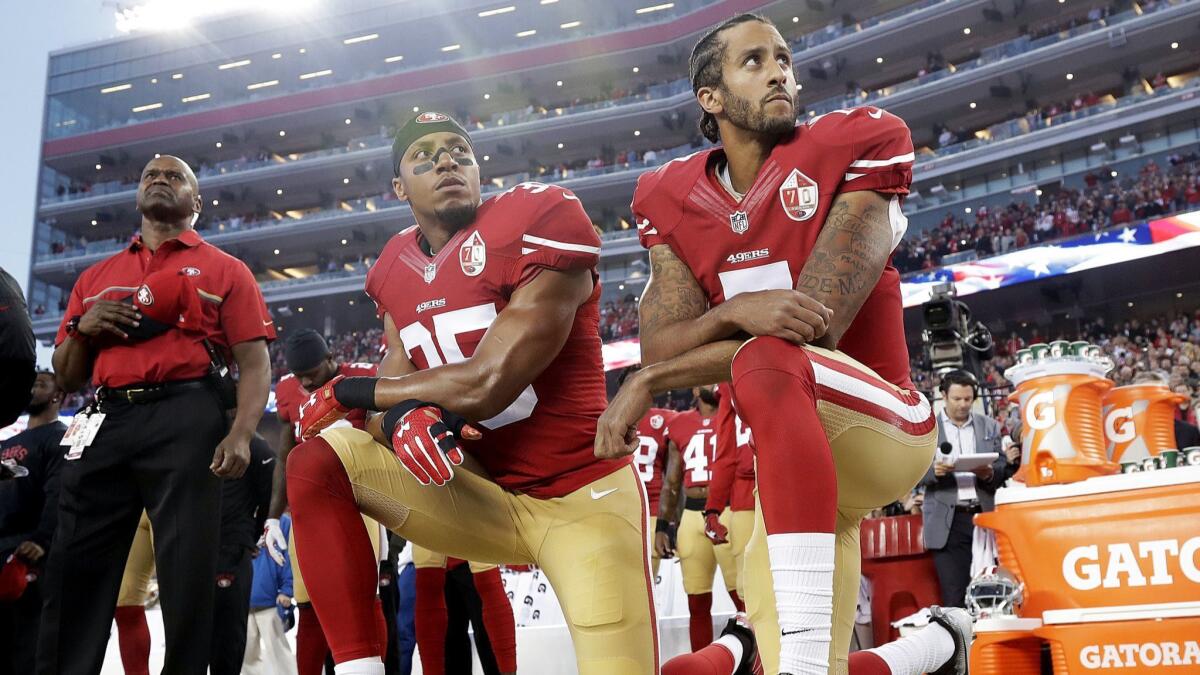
(1114, 541)
(1006, 646)
(1139, 421)
(1061, 409)
(1134, 642)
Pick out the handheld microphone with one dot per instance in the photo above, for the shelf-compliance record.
(946, 448)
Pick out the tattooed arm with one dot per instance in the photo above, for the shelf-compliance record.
(675, 317)
(849, 256)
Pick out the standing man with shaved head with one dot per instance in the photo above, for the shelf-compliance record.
(153, 327)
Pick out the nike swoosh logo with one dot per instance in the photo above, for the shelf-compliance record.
(877, 114)
(602, 495)
(268, 460)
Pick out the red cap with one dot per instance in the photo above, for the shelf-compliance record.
(14, 576)
(169, 297)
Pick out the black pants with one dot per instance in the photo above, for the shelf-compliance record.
(953, 561)
(389, 597)
(231, 610)
(464, 609)
(154, 456)
(19, 630)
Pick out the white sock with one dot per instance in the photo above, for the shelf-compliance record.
(802, 569)
(734, 646)
(921, 652)
(372, 665)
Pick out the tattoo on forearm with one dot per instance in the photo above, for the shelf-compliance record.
(848, 257)
(672, 294)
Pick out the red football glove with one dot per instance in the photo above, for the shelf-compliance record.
(321, 409)
(713, 529)
(424, 438)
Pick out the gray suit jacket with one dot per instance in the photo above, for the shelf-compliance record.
(941, 494)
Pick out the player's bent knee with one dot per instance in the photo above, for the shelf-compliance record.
(772, 353)
(313, 464)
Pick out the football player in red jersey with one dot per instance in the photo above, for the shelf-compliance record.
(731, 484)
(693, 435)
(491, 316)
(307, 356)
(650, 458)
(784, 234)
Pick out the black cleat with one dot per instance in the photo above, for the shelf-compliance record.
(749, 647)
(959, 624)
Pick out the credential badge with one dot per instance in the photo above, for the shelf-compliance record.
(739, 222)
(472, 255)
(799, 196)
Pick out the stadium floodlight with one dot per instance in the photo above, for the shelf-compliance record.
(570, 24)
(318, 73)
(393, 59)
(262, 85)
(234, 64)
(197, 97)
(115, 88)
(547, 2)
(655, 8)
(148, 106)
(157, 15)
(361, 38)
(451, 48)
(499, 10)
(527, 33)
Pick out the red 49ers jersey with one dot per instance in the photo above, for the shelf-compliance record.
(696, 437)
(290, 394)
(763, 241)
(443, 304)
(651, 456)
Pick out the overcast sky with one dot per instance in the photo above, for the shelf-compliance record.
(29, 32)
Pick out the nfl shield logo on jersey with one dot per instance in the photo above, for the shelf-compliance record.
(430, 272)
(739, 222)
(798, 194)
(472, 255)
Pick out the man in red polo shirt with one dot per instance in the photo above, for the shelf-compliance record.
(146, 326)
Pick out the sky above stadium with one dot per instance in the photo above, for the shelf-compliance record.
(29, 32)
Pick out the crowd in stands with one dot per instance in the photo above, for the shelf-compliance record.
(1106, 200)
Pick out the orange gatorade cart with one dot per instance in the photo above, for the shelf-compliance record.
(1139, 422)
(1111, 568)
(1061, 403)
(1006, 646)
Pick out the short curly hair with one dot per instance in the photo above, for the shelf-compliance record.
(706, 61)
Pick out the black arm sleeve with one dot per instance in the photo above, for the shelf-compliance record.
(52, 457)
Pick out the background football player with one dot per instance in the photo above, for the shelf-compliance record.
(693, 435)
(785, 234)
(731, 485)
(650, 459)
(311, 365)
(490, 310)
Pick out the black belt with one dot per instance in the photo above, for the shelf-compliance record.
(149, 393)
(968, 508)
(695, 503)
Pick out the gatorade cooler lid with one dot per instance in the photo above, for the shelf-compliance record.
(1116, 483)
(1006, 624)
(1064, 366)
(1164, 610)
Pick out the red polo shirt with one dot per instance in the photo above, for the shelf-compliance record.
(232, 304)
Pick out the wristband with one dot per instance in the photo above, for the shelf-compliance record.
(392, 417)
(710, 512)
(664, 526)
(356, 392)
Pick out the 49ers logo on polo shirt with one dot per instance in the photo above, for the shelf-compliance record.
(431, 117)
(799, 195)
(144, 297)
(190, 271)
(472, 255)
